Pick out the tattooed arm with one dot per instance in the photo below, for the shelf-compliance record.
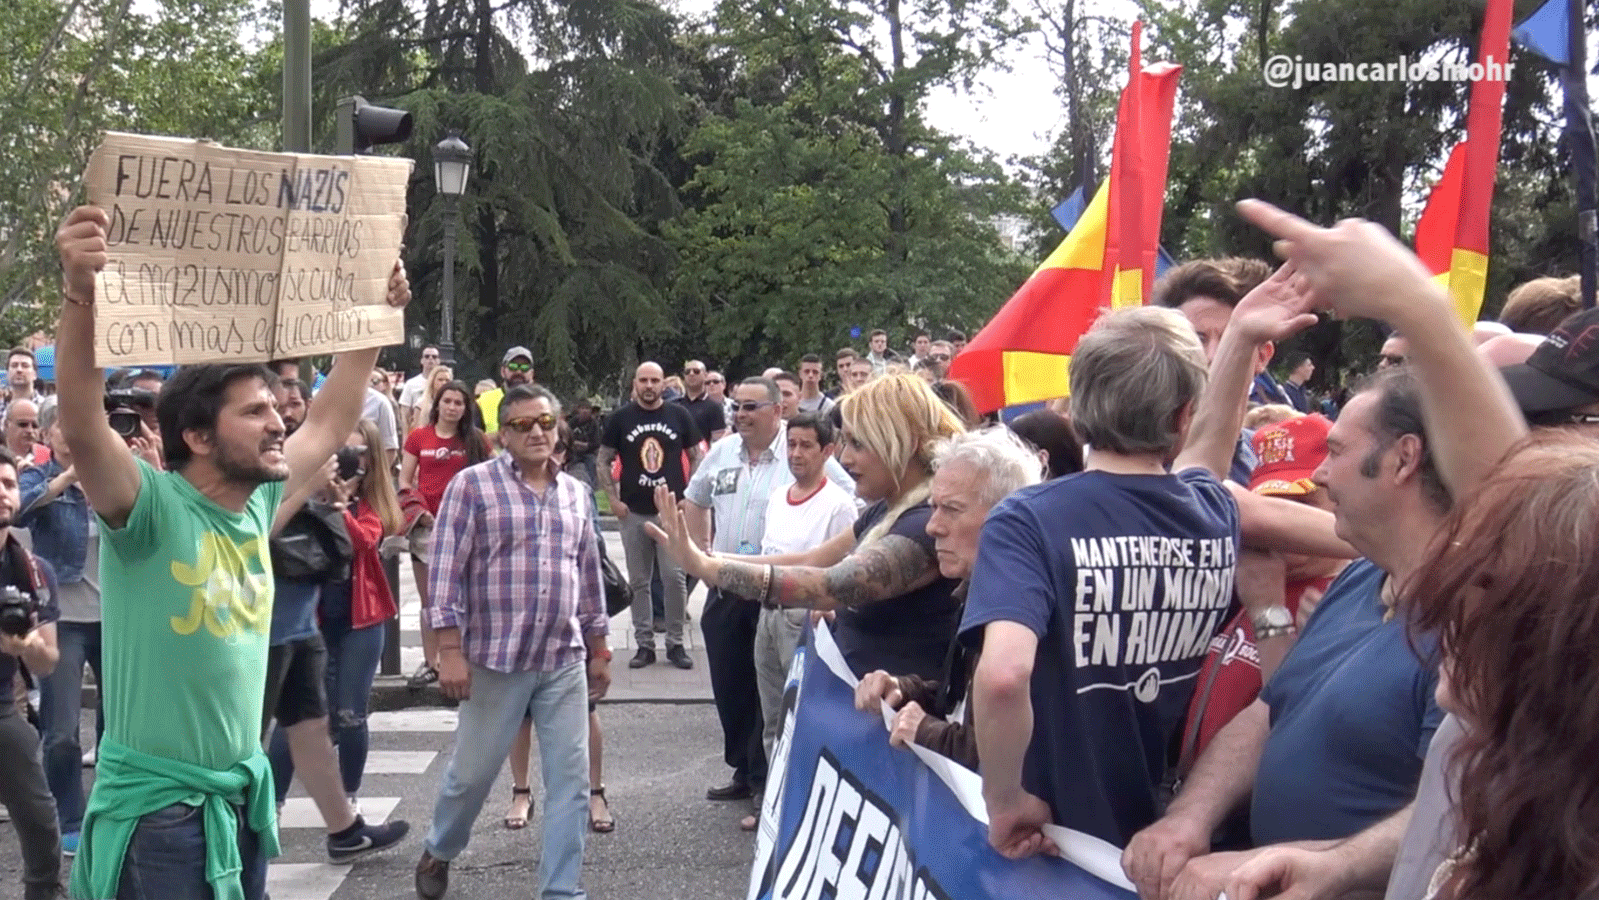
(889, 568)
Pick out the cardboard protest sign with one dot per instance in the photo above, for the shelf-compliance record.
(222, 255)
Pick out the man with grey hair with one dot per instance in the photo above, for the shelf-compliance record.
(1095, 595)
(972, 472)
(516, 588)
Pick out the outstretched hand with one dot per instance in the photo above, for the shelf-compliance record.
(1277, 309)
(1355, 268)
(672, 534)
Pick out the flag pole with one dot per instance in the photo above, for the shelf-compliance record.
(1579, 126)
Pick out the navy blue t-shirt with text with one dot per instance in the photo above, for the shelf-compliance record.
(1124, 579)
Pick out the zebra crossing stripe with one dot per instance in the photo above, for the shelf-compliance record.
(301, 812)
(304, 881)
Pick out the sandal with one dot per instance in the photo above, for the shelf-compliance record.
(606, 825)
(513, 821)
(424, 675)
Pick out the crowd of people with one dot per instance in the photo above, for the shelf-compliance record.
(1269, 647)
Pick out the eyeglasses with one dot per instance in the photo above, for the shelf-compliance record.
(519, 367)
(524, 424)
(750, 406)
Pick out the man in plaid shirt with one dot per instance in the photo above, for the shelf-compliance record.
(518, 605)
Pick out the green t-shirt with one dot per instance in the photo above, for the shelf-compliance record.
(187, 604)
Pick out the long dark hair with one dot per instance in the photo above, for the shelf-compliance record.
(477, 446)
(1511, 586)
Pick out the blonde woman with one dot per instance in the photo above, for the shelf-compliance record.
(437, 379)
(894, 610)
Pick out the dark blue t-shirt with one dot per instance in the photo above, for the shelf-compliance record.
(1352, 713)
(1124, 578)
(908, 634)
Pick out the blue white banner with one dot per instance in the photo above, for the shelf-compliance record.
(848, 817)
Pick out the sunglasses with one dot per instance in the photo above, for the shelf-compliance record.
(713, 381)
(518, 367)
(750, 406)
(939, 357)
(524, 424)
(693, 371)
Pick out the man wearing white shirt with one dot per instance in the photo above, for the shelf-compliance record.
(411, 393)
(807, 515)
(737, 478)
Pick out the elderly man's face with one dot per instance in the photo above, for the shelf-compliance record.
(958, 514)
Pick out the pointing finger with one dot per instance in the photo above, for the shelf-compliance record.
(1276, 222)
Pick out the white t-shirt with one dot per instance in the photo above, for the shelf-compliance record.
(795, 528)
(411, 391)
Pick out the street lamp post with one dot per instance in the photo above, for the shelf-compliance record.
(452, 162)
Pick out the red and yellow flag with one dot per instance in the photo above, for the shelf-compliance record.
(1108, 260)
(1452, 236)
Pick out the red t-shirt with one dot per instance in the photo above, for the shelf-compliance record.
(1231, 672)
(437, 461)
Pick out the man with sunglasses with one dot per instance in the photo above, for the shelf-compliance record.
(411, 393)
(516, 368)
(707, 411)
(650, 437)
(516, 588)
(22, 434)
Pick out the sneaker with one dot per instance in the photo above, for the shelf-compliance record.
(423, 676)
(677, 656)
(644, 657)
(432, 877)
(69, 843)
(365, 839)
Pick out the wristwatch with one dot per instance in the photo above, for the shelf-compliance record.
(1273, 621)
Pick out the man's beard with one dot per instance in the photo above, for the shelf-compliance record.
(250, 470)
(516, 378)
(6, 519)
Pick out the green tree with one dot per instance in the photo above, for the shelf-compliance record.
(821, 201)
(558, 248)
(73, 69)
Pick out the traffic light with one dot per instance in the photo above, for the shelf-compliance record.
(362, 125)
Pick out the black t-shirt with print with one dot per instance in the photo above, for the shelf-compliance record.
(650, 444)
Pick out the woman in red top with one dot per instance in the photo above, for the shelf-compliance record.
(351, 613)
(433, 455)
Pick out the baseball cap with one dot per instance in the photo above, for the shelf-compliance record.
(1289, 453)
(1563, 372)
(516, 353)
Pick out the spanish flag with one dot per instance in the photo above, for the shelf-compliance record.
(1452, 236)
(1108, 259)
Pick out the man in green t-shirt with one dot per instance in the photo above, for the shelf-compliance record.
(183, 804)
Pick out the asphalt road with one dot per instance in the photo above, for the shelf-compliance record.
(670, 841)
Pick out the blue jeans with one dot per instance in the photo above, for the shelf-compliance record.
(353, 657)
(60, 705)
(166, 858)
(558, 704)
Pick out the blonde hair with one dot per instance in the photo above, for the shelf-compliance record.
(377, 488)
(1270, 414)
(419, 416)
(900, 420)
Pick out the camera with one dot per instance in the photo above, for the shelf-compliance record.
(17, 611)
(123, 407)
(350, 462)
